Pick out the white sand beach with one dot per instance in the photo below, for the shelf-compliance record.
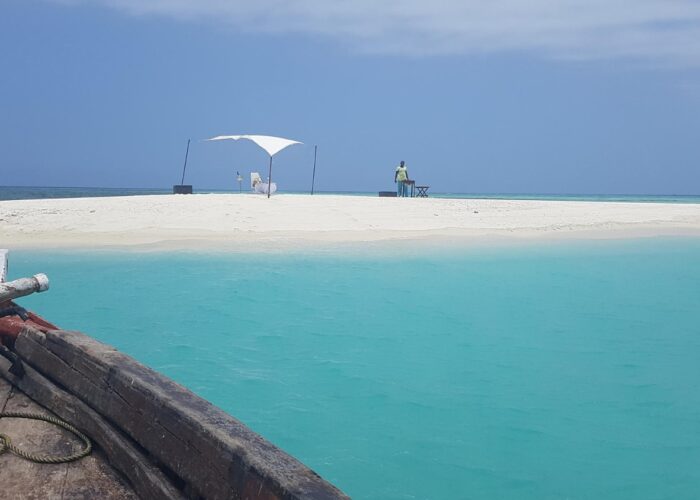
(253, 222)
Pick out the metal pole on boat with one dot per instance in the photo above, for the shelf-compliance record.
(269, 179)
(185, 167)
(313, 177)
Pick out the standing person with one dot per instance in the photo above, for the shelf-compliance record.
(400, 177)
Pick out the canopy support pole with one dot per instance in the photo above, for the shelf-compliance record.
(185, 167)
(269, 179)
(313, 177)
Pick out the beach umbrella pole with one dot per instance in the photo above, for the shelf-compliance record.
(269, 179)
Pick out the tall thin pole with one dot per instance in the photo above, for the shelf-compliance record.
(313, 177)
(269, 179)
(3, 265)
(185, 167)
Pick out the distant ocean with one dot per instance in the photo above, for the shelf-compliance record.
(30, 193)
(566, 371)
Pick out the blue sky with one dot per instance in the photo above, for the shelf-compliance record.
(523, 97)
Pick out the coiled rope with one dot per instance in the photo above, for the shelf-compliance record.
(6, 443)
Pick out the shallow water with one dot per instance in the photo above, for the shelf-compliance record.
(29, 193)
(519, 373)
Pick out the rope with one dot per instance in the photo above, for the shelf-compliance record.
(6, 443)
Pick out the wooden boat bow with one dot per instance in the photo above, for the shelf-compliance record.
(166, 441)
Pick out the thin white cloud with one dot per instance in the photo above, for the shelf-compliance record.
(660, 31)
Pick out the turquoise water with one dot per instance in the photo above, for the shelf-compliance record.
(33, 193)
(28, 193)
(563, 372)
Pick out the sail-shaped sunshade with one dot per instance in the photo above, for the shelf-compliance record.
(271, 144)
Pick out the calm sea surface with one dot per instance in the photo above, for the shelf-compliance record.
(29, 193)
(561, 372)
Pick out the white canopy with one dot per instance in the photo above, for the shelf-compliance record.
(272, 145)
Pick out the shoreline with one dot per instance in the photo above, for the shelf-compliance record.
(287, 222)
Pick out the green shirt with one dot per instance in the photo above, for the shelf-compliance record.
(401, 173)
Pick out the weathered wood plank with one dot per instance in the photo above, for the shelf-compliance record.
(87, 478)
(5, 390)
(95, 480)
(212, 451)
(145, 477)
(24, 478)
(23, 286)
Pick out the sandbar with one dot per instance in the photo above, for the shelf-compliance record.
(251, 222)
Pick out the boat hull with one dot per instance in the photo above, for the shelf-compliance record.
(165, 440)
